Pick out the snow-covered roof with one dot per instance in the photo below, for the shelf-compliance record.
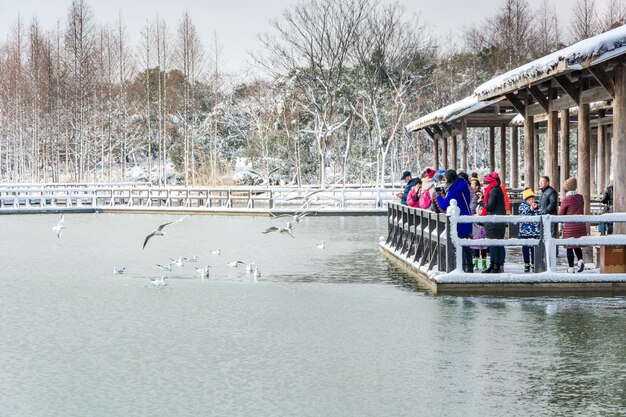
(580, 55)
(451, 112)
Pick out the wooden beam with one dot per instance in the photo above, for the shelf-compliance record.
(492, 149)
(464, 145)
(605, 81)
(529, 148)
(437, 130)
(517, 103)
(430, 133)
(514, 157)
(540, 97)
(444, 152)
(584, 160)
(447, 128)
(503, 154)
(564, 150)
(453, 152)
(618, 149)
(569, 88)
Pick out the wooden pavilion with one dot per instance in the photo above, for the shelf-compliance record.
(580, 87)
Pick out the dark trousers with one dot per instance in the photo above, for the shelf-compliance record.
(480, 253)
(528, 252)
(570, 255)
(466, 253)
(496, 253)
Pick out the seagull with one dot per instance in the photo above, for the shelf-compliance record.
(158, 282)
(59, 226)
(256, 274)
(321, 245)
(203, 272)
(159, 231)
(216, 252)
(282, 230)
(118, 270)
(167, 267)
(194, 259)
(296, 217)
(235, 264)
(178, 262)
(249, 267)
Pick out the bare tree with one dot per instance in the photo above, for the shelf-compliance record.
(312, 48)
(614, 15)
(548, 38)
(585, 20)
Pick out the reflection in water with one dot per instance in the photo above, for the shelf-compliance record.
(337, 331)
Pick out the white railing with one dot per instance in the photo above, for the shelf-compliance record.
(549, 243)
(28, 197)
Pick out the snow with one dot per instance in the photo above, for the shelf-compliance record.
(452, 112)
(583, 54)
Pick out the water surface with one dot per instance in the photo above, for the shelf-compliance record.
(333, 332)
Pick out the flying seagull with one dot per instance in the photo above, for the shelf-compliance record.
(235, 264)
(296, 217)
(59, 226)
(167, 267)
(159, 231)
(118, 270)
(282, 230)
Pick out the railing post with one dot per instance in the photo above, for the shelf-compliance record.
(548, 243)
(453, 212)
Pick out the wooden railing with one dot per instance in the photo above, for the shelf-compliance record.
(420, 236)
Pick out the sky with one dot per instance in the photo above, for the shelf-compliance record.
(237, 23)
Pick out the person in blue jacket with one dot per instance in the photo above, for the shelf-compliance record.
(409, 183)
(458, 189)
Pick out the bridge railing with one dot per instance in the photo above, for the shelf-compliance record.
(546, 245)
(421, 236)
(16, 197)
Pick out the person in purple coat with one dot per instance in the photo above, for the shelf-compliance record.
(573, 204)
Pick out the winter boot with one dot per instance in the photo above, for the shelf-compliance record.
(527, 267)
(571, 270)
(581, 266)
(490, 269)
(497, 268)
(484, 265)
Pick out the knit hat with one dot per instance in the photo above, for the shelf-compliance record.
(489, 178)
(570, 184)
(405, 174)
(527, 193)
(429, 172)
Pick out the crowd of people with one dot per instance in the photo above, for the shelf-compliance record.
(486, 196)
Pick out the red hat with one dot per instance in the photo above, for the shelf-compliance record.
(489, 178)
(429, 172)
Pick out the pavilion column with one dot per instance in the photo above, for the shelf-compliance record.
(436, 151)
(492, 149)
(564, 152)
(551, 164)
(464, 146)
(584, 160)
(444, 153)
(593, 162)
(529, 151)
(536, 158)
(453, 153)
(514, 157)
(601, 183)
(503, 153)
(619, 145)
(608, 140)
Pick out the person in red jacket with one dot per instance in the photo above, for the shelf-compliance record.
(573, 204)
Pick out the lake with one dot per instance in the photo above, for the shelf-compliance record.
(323, 332)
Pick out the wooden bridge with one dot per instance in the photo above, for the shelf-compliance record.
(426, 245)
(24, 198)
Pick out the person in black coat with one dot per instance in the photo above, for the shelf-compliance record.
(493, 202)
(409, 183)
